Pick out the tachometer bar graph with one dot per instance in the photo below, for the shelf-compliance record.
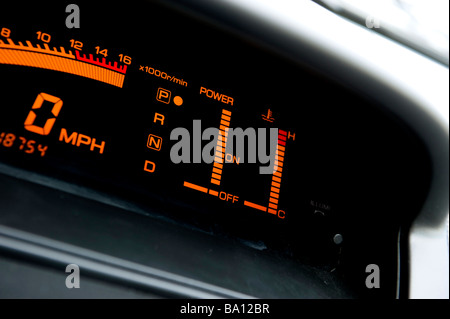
(62, 61)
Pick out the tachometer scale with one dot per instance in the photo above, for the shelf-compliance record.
(60, 60)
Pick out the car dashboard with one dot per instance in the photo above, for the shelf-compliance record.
(226, 149)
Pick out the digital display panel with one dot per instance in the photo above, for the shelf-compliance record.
(188, 121)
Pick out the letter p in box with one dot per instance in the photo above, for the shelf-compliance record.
(163, 95)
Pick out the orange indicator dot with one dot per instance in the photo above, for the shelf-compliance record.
(178, 100)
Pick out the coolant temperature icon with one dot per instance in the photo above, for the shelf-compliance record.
(268, 117)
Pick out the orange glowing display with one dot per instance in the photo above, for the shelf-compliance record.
(256, 206)
(220, 148)
(60, 60)
(10, 140)
(275, 187)
(276, 177)
(29, 122)
(196, 187)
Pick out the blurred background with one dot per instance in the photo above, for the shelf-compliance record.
(418, 24)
